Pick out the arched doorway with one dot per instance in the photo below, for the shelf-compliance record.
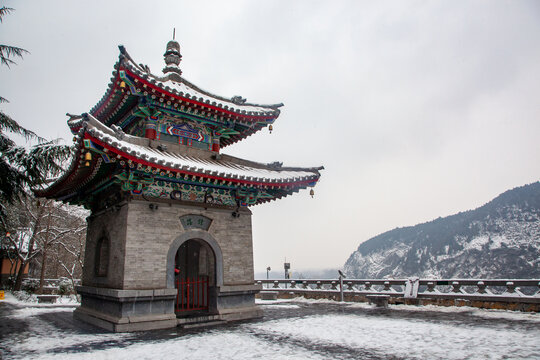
(195, 277)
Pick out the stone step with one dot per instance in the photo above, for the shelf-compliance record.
(197, 319)
(204, 324)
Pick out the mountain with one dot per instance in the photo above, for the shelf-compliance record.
(498, 240)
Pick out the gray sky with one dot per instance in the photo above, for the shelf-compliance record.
(417, 109)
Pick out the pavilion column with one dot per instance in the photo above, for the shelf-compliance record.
(215, 144)
(150, 127)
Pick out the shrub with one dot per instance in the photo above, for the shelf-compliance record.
(30, 285)
(65, 286)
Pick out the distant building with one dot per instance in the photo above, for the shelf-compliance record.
(9, 267)
(169, 235)
(9, 260)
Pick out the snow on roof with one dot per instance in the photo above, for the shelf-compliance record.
(127, 144)
(178, 85)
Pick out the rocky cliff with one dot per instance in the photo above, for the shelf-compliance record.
(498, 240)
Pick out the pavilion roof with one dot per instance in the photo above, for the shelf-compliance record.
(112, 147)
(173, 94)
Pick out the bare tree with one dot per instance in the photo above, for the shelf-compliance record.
(25, 218)
(61, 228)
(74, 266)
(42, 228)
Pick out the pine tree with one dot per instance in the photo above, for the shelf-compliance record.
(22, 167)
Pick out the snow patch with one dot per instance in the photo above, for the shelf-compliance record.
(411, 339)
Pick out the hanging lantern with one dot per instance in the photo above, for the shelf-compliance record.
(311, 192)
(74, 139)
(270, 128)
(122, 85)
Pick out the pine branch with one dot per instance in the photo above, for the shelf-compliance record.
(39, 161)
(12, 184)
(3, 100)
(6, 143)
(4, 11)
(7, 52)
(8, 124)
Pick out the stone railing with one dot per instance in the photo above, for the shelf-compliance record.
(52, 282)
(417, 291)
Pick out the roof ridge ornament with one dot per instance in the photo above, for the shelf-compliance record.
(172, 59)
(238, 100)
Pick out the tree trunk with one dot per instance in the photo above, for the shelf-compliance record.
(12, 270)
(42, 273)
(44, 254)
(20, 274)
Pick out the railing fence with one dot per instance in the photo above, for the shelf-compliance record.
(491, 290)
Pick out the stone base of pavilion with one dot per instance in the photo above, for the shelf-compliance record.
(237, 302)
(140, 310)
(127, 310)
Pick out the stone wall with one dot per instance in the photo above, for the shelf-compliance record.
(141, 238)
(110, 223)
(399, 300)
(151, 233)
(138, 292)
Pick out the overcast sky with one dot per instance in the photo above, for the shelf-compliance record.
(416, 109)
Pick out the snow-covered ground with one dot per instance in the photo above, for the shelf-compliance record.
(295, 329)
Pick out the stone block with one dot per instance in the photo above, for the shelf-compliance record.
(269, 295)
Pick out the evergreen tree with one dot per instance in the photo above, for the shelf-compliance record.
(22, 168)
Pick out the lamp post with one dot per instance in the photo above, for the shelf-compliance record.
(268, 272)
(341, 277)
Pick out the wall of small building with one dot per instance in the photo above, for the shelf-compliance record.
(140, 239)
(151, 233)
(137, 292)
(110, 224)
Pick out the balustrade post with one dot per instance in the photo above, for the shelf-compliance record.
(319, 285)
(456, 286)
(333, 285)
(367, 285)
(510, 287)
(481, 287)
(293, 284)
(431, 286)
(349, 285)
(387, 286)
(305, 284)
(276, 284)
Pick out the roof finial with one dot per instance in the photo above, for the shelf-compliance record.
(173, 32)
(172, 58)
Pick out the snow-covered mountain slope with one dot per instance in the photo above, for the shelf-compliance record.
(498, 240)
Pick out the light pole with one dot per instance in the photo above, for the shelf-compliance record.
(341, 277)
(268, 272)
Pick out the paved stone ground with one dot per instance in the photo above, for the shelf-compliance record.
(18, 330)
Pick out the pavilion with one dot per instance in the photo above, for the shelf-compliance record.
(169, 238)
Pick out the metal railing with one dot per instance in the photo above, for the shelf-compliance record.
(505, 290)
(192, 294)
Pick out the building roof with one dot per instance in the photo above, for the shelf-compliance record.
(114, 151)
(133, 85)
(110, 151)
